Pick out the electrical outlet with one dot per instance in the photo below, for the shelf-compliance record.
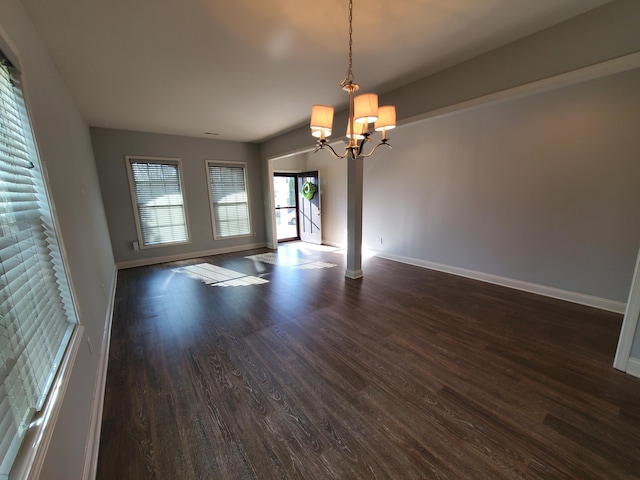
(136, 246)
(379, 240)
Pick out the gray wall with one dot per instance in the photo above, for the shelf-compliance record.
(543, 189)
(110, 148)
(556, 210)
(292, 163)
(540, 189)
(333, 196)
(596, 36)
(65, 150)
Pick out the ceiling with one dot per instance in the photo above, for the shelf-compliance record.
(247, 70)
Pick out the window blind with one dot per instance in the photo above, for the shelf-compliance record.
(159, 202)
(37, 316)
(229, 200)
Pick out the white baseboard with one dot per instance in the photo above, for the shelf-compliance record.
(575, 297)
(354, 274)
(93, 440)
(633, 367)
(332, 244)
(187, 256)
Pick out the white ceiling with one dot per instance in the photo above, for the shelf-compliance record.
(250, 69)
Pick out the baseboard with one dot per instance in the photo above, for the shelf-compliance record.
(93, 439)
(354, 274)
(332, 244)
(187, 256)
(574, 297)
(633, 367)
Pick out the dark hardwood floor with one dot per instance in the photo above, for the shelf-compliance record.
(272, 369)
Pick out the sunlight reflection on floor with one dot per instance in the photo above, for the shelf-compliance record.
(298, 255)
(289, 261)
(220, 277)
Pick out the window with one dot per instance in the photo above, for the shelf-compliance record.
(156, 192)
(229, 199)
(37, 315)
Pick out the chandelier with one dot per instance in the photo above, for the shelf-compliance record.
(363, 110)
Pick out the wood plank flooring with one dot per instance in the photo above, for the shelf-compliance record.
(281, 369)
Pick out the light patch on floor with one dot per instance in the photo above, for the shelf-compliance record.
(220, 277)
(289, 261)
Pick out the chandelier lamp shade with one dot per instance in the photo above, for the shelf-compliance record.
(321, 121)
(363, 112)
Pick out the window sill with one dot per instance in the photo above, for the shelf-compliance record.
(31, 456)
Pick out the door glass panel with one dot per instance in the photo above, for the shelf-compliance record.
(284, 190)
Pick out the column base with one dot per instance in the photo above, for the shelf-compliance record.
(353, 274)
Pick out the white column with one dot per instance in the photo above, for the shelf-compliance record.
(355, 176)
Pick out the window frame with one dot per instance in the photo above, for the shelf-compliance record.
(225, 163)
(129, 160)
(32, 451)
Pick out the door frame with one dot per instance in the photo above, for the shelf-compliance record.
(623, 360)
(295, 176)
(272, 233)
(269, 201)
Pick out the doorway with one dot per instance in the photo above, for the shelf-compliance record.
(297, 207)
(285, 192)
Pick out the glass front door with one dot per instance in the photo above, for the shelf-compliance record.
(285, 196)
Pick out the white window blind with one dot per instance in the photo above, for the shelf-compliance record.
(229, 199)
(157, 191)
(37, 316)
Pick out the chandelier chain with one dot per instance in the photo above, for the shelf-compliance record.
(322, 115)
(349, 78)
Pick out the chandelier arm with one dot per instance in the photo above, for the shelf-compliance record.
(354, 147)
(383, 142)
(321, 145)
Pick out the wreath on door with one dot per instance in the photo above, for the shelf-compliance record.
(308, 190)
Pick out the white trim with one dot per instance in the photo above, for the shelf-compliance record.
(28, 464)
(354, 274)
(630, 322)
(270, 204)
(575, 297)
(332, 243)
(633, 367)
(187, 256)
(95, 425)
(591, 72)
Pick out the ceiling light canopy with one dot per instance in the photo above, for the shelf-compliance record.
(363, 111)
